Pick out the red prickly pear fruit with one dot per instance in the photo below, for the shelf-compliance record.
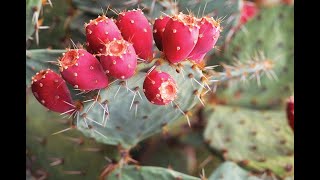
(290, 111)
(209, 33)
(51, 91)
(180, 37)
(119, 59)
(82, 70)
(158, 29)
(248, 11)
(159, 88)
(99, 31)
(136, 29)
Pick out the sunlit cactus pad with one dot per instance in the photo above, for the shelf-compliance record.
(258, 140)
(269, 33)
(122, 114)
(231, 171)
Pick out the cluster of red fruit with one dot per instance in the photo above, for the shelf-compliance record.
(113, 48)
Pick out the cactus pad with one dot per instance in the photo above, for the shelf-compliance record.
(123, 115)
(63, 156)
(258, 140)
(271, 33)
(231, 171)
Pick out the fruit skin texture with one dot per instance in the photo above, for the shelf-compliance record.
(158, 29)
(120, 59)
(82, 70)
(249, 10)
(159, 88)
(180, 37)
(99, 31)
(136, 29)
(290, 111)
(209, 33)
(51, 91)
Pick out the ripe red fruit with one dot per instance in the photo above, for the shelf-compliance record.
(180, 37)
(82, 70)
(290, 111)
(158, 29)
(136, 29)
(51, 91)
(159, 88)
(248, 11)
(208, 36)
(119, 59)
(100, 31)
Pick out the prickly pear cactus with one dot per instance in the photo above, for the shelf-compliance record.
(68, 156)
(271, 34)
(122, 114)
(231, 171)
(148, 172)
(38, 59)
(258, 140)
(32, 14)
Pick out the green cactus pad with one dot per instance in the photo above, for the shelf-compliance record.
(231, 171)
(227, 10)
(39, 59)
(44, 151)
(32, 6)
(271, 33)
(147, 172)
(258, 140)
(127, 126)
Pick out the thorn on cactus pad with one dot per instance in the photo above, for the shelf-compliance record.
(64, 130)
(83, 173)
(56, 161)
